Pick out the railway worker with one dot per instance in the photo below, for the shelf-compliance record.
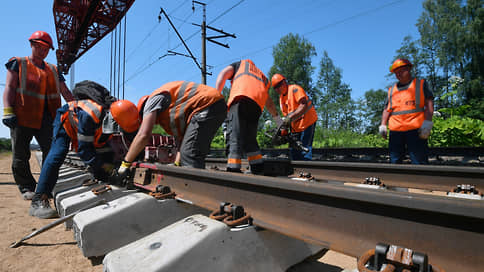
(249, 93)
(299, 113)
(31, 97)
(408, 111)
(189, 111)
(80, 122)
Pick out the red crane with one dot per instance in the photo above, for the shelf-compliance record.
(80, 24)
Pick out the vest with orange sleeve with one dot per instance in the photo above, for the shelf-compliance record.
(187, 98)
(38, 88)
(250, 82)
(71, 123)
(290, 102)
(406, 107)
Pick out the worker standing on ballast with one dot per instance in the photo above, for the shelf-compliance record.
(31, 97)
(408, 111)
(249, 94)
(299, 114)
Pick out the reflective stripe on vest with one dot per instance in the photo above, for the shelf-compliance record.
(290, 103)
(36, 94)
(94, 110)
(406, 106)
(246, 72)
(182, 101)
(23, 82)
(249, 81)
(85, 138)
(187, 98)
(418, 108)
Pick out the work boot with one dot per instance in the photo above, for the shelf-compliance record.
(27, 195)
(234, 170)
(257, 169)
(40, 207)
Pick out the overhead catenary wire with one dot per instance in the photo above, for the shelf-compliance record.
(256, 51)
(142, 69)
(135, 49)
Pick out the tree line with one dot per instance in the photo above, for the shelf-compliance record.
(449, 54)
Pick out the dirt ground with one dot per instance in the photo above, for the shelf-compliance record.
(56, 249)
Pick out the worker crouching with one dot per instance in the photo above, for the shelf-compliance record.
(80, 122)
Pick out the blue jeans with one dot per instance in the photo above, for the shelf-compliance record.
(55, 158)
(306, 137)
(400, 141)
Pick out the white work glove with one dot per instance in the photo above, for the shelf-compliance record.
(382, 130)
(286, 121)
(424, 130)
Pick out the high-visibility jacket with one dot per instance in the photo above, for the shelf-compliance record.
(71, 123)
(406, 107)
(38, 88)
(290, 102)
(187, 98)
(250, 82)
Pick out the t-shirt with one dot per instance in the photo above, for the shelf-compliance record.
(159, 102)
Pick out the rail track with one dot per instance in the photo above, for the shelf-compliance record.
(333, 211)
(459, 156)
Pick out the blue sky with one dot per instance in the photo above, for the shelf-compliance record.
(360, 36)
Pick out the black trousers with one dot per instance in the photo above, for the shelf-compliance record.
(21, 138)
(199, 134)
(243, 120)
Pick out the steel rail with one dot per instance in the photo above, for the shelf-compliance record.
(398, 176)
(347, 219)
(369, 151)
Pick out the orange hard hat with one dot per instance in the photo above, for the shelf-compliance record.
(141, 103)
(126, 115)
(42, 37)
(276, 79)
(400, 63)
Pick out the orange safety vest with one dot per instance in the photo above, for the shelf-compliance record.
(290, 102)
(71, 122)
(406, 107)
(36, 86)
(187, 98)
(250, 82)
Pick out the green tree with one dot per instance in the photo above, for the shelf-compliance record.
(335, 106)
(292, 58)
(371, 107)
(452, 34)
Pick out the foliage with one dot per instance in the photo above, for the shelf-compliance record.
(346, 138)
(5, 144)
(157, 129)
(371, 107)
(451, 46)
(292, 58)
(219, 139)
(335, 107)
(457, 131)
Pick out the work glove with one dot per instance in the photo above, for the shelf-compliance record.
(286, 121)
(278, 121)
(382, 130)
(424, 130)
(9, 118)
(121, 175)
